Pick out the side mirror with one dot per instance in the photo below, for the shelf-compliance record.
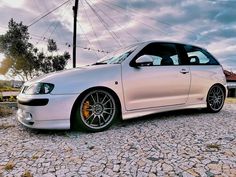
(144, 60)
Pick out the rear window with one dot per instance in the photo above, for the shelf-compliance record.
(198, 56)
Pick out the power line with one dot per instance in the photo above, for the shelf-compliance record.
(135, 12)
(86, 37)
(53, 25)
(40, 18)
(90, 22)
(43, 36)
(41, 13)
(118, 24)
(147, 25)
(38, 37)
(45, 39)
(55, 28)
(113, 35)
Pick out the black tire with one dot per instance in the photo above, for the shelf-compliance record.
(215, 99)
(96, 111)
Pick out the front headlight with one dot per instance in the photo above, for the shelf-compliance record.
(39, 88)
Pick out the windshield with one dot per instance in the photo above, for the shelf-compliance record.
(117, 57)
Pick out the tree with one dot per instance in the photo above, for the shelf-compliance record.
(23, 59)
(52, 46)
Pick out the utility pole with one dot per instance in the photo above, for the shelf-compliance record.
(75, 9)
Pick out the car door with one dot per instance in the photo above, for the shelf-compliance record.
(205, 71)
(162, 82)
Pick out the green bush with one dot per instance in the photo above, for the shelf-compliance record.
(8, 89)
(12, 98)
(1, 97)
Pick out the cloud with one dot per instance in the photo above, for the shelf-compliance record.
(226, 16)
(7, 13)
(210, 24)
(221, 32)
(12, 3)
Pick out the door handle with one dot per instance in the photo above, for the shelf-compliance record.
(184, 71)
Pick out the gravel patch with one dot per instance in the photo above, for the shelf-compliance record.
(181, 143)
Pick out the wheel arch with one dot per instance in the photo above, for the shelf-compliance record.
(219, 84)
(116, 98)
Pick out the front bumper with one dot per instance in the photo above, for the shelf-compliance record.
(45, 111)
(42, 124)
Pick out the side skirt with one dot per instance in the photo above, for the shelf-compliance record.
(143, 112)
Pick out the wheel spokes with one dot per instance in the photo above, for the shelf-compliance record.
(97, 97)
(103, 118)
(103, 99)
(106, 102)
(101, 109)
(89, 117)
(93, 119)
(93, 98)
(216, 98)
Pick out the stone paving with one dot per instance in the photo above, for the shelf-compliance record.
(182, 143)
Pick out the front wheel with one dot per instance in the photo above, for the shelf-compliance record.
(215, 98)
(97, 110)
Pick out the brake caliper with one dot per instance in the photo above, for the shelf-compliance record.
(85, 109)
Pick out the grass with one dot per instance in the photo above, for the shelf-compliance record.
(9, 166)
(9, 89)
(35, 157)
(230, 100)
(213, 146)
(8, 98)
(27, 174)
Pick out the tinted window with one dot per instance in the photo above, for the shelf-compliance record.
(198, 56)
(161, 54)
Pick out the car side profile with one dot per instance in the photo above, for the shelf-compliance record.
(137, 80)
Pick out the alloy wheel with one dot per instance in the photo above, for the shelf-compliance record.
(216, 98)
(97, 109)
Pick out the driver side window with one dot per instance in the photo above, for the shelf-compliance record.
(161, 54)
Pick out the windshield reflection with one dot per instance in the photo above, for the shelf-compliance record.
(116, 57)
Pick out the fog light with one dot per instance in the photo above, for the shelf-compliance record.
(28, 116)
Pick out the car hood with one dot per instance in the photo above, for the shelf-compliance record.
(71, 80)
(54, 75)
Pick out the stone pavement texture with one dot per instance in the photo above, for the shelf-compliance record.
(182, 143)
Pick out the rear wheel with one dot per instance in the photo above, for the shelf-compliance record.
(215, 98)
(97, 110)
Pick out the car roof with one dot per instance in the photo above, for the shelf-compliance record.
(157, 41)
(170, 42)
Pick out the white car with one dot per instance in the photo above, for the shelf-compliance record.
(138, 80)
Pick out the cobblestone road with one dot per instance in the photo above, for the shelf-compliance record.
(186, 143)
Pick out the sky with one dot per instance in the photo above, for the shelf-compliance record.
(107, 25)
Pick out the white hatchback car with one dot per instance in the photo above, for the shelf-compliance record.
(138, 80)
